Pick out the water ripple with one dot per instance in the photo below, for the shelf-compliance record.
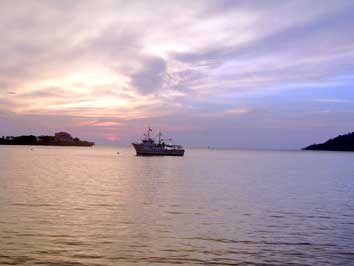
(76, 207)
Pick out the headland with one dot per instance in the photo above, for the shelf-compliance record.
(340, 143)
(59, 139)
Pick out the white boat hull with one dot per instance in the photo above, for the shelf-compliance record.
(147, 150)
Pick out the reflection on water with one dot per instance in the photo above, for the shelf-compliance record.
(90, 206)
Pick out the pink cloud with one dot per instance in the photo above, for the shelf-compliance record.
(111, 137)
(106, 124)
(95, 123)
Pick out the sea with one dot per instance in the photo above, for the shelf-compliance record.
(81, 206)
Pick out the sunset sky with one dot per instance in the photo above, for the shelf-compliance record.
(251, 74)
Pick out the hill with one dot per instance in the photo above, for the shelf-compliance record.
(340, 143)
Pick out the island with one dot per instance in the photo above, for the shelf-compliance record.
(59, 139)
(340, 143)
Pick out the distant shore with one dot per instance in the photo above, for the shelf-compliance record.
(59, 139)
(340, 143)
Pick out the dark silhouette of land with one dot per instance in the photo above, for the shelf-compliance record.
(59, 139)
(340, 143)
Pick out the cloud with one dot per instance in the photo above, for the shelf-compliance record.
(318, 50)
(113, 62)
(333, 100)
(239, 111)
(47, 92)
(111, 137)
(151, 76)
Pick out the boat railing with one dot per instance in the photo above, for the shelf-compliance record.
(173, 146)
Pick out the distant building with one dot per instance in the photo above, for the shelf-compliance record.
(63, 136)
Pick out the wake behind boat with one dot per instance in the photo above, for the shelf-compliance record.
(148, 146)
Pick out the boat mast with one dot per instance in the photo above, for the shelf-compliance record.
(148, 132)
(160, 134)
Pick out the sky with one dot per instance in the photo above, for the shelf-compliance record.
(248, 74)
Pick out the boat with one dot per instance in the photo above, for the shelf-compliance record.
(150, 147)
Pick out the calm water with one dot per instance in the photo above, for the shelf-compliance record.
(90, 206)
